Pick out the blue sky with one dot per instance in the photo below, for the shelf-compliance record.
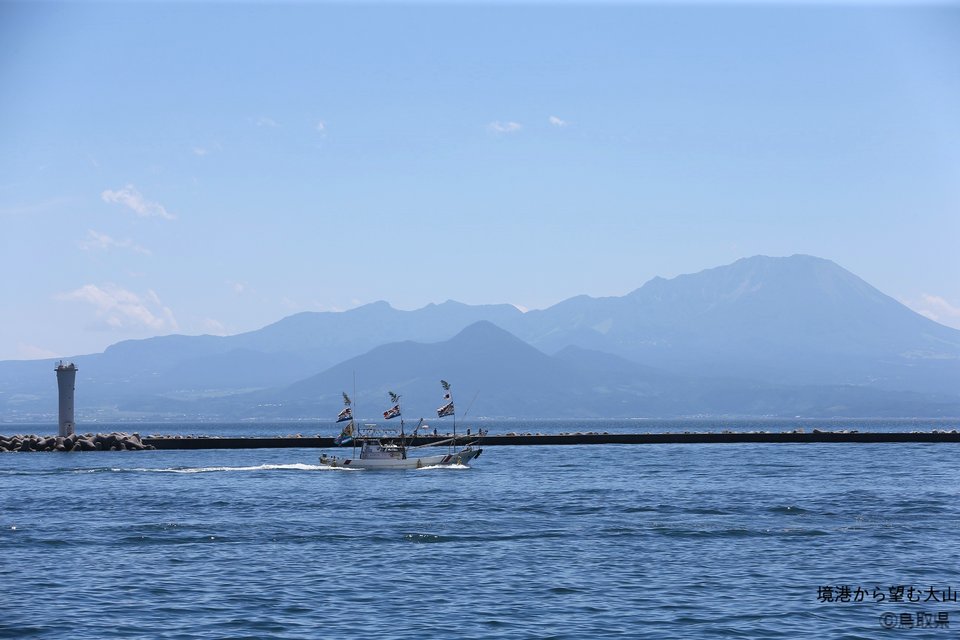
(213, 167)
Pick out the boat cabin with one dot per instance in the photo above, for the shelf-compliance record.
(379, 451)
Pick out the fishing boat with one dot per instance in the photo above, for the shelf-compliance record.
(380, 450)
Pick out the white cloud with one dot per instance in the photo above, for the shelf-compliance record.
(205, 150)
(129, 197)
(238, 288)
(119, 308)
(101, 241)
(557, 122)
(32, 352)
(35, 208)
(322, 127)
(214, 327)
(504, 127)
(937, 309)
(264, 121)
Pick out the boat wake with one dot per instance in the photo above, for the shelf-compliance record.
(455, 467)
(261, 467)
(297, 466)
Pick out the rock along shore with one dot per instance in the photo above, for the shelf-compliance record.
(533, 439)
(128, 442)
(74, 442)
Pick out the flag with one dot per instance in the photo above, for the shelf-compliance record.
(445, 410)
(346, 414)
(345, 436)
(392, 412)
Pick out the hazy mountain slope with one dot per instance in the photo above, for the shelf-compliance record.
(788, 322)
(483, 361)
(333, 336)
(496, 374)
(179, 366)
(796, 320)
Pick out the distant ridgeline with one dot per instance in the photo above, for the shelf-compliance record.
(796, 336)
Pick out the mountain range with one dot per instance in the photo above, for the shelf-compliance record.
(762, 336)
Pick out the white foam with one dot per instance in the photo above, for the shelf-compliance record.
(458, 467)
(298, 466)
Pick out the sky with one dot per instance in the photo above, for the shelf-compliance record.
(214, 167)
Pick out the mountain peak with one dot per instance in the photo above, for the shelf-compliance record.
(374, 306)
(755, 273)
(796, 257)
(446, 305)
(483, 329)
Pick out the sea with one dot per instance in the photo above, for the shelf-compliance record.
(658, 541)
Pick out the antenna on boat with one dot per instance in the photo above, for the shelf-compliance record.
(355, 428)
(471, 404)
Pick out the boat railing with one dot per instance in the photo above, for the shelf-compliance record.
(372, 431)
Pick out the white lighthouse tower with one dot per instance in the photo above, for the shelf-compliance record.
(66, 378)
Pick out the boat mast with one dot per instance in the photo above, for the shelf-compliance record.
(403, 441)
(350, 429)
(353, 415)
(393, 412)
(448, 410)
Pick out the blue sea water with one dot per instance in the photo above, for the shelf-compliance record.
(640, 541)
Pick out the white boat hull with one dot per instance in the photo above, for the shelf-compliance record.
(461, 457)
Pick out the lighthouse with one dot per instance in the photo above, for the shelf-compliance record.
(66, 377)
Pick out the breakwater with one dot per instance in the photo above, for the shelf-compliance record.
(134, 442)
(74, 442)
(202, 442)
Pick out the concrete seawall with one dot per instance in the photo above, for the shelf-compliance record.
(202, 442)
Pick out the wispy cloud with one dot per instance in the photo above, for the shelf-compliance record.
(238, 288)
(214, 327)
(34, 208)
(558, 122)
(937, 309)
(102, 242)
(129, 197)
(264, 121)
(321, 127)
(504, 127)
(119, 308)
(204, 150)
(290, 304)
(32, 352)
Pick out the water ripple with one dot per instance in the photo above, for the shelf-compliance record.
(679, 542)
